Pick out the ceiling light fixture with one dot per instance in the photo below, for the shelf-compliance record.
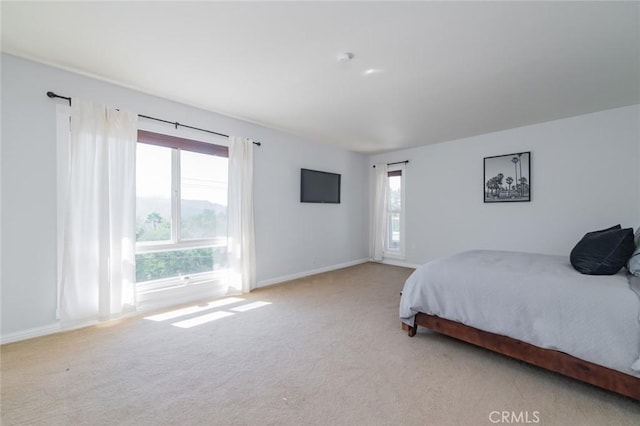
(371, 71)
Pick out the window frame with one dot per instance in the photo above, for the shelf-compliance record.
(176, 145)
(401, 171)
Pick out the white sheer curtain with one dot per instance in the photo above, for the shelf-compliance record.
(98, 252)
(379, 231)
(240, 227)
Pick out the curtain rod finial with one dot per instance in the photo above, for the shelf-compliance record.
(51, 95)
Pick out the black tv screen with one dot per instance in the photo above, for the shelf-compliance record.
(319, 187)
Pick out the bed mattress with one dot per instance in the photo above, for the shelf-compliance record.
(539, 299)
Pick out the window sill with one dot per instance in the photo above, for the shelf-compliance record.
(176, 291)
(180, 282)
(158, 246)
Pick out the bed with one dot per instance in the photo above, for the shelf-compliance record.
(535, 308)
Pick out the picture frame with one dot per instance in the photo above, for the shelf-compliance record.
(507, 178)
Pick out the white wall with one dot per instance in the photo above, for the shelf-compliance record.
(584, 177)
(292, 238)
(638, 163)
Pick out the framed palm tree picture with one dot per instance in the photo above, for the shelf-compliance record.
(507, 178)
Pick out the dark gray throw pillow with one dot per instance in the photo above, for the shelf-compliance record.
(603, 252)
(634, 261)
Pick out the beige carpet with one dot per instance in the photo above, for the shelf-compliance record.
(327, 350)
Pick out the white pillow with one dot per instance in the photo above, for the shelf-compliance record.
(634, 262)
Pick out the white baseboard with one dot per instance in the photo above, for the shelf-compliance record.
(394, 262)
(272, 281)
(56, 327)
(29, 333)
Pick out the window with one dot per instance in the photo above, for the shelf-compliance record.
(181, 210)
(394, 244)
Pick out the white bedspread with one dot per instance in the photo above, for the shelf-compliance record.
(539, 299)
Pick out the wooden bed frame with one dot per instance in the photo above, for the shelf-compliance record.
(559, 362)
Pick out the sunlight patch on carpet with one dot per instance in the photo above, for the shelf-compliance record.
(193, 309)
(202, 319)
(206, 317)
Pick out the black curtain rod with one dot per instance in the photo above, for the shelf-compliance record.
(175, 123)
(397, 162)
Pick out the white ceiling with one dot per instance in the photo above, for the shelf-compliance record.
(448, 70)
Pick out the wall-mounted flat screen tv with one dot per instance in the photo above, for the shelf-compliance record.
(319, 187)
